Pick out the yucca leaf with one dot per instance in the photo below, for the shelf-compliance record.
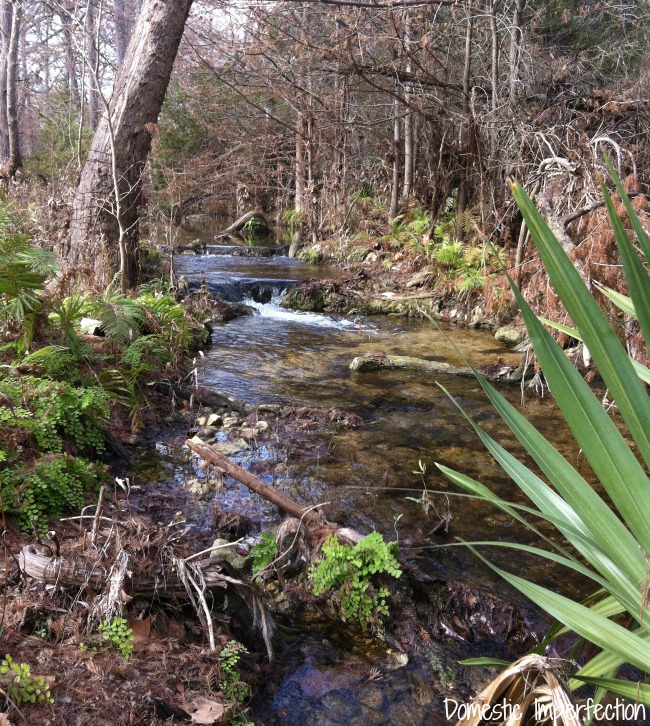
(611, 536)
(636, 692)
(642, 371)
(636, 276)
(622, 302)
(606, 661)
(626, 600)
(582, 620)
(641, 236)
(483, 662)
(609, 455)
(607, 352)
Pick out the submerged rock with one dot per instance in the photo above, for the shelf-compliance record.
(510, 335)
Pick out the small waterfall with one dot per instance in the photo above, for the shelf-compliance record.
(273, 310)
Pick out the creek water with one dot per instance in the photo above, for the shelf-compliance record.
(373, 476)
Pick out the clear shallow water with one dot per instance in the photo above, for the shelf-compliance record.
(302, 359)
(366, 473)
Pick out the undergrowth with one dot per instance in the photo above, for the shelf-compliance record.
(59, 386)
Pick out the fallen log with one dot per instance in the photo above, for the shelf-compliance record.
(374, 361)
(164, 583)
(271, 494)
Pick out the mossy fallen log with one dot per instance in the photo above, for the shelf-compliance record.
(374, 361)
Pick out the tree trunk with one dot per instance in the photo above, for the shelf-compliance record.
(92, 60)
(6, 18)
(121, 32)
(408, 118)
(515, 47)
(394, 195)
(299, 197)
(463, 191)
(11, 165)
(104, 224)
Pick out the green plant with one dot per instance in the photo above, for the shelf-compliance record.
(66, 315)
(23, 270)
(293, 219)
(352, 571)
(264, 552)
(232, 687)
(116, 632)
(42, 424)
(119, 314)
(609, 544)
(20, 686)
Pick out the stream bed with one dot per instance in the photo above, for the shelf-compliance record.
(380, 475)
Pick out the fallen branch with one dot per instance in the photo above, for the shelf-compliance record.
(271, 494)
(260, 224)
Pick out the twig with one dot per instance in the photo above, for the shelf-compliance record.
(98, 512)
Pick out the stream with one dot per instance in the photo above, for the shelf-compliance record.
(373, 477)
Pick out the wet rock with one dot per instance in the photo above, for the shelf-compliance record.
(230, 422)
(419, 279)
(227, 554)
(510, 335)
(188, 252)
(214, 420)
(479, 321)
(270, 408)
(202, 420)
(209, 431)
(228, 448)
(199, 487)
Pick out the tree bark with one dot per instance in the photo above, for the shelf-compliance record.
(104, 224)
(15, 161)
(463, 191)
(92, 60)
(6, 18)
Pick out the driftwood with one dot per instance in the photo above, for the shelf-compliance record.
(261, 224)
(271, 494)
(71, 573)
(374, 361)
(204, 396)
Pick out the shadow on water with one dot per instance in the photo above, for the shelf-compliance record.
(367, 473)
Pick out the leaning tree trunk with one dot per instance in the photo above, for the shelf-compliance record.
(104, 224)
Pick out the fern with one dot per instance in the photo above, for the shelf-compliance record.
(449, 254)
(120, 316)
(23, 270)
